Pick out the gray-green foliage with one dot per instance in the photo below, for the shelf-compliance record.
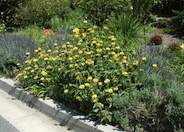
(157, 104)
(13, 50)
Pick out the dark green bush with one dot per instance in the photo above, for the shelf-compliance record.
(142, 8)
(7, 10)
(40, 12)
(177, 24)
(99, 10)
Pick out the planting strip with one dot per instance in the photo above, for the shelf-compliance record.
(72, 119)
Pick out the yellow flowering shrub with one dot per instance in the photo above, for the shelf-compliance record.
(87, 71)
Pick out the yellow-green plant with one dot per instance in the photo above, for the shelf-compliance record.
(87, 71)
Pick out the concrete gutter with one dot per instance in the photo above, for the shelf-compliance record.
(66, 116)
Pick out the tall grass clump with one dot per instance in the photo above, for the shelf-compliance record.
(127, 28)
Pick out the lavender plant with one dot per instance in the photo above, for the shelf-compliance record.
(13, 50)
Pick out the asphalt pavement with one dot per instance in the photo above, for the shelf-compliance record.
(5, 126)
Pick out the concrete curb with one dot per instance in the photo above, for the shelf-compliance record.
(66, 116)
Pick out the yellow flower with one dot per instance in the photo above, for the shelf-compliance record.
(115, 88)
(113, 39)
(182, 46)
(81, 86)
(89, 62)
(71, 65)
(49, 67)
(94, 96)
(108, 49)
(39, 49)
(59, 69)
(95, 27)
(35, 60)
(124, 61)
(49, 50)
(89, 29)
(25, 77)
(44, 73)
(80, 51)
(32, 70)
(88, 53)
(27, 53)
(66, 91)
(105, 27)
(109, 90)
(115, 57)
(89, 78)
(87, 84)
(95, 80)
(121, 53)
(78, 98)
(85, 21)
(55, 44)
(92, 31)
(113, 43)
(135, 63)
(35, 66)
(35, 77)
(70, 58)
(124, 73)
(42, 79)
(107, 81)
(45, 59)
(143, 58)
(76, 31)
(117, 47)
(134, 53)
(154, 65)
(83, 34)
(36, 51)
(98, 50)
(100, 83)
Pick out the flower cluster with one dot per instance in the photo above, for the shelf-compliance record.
(91, 69)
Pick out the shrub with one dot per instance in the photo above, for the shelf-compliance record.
(7, 9)
(72, 20)
(174, 46)
(156, 40)
(41, 11)
(85, 73)
(177, 24)
(13, 49)
(34, 32)
(142, 8)
(157, 105)
(99, 10)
